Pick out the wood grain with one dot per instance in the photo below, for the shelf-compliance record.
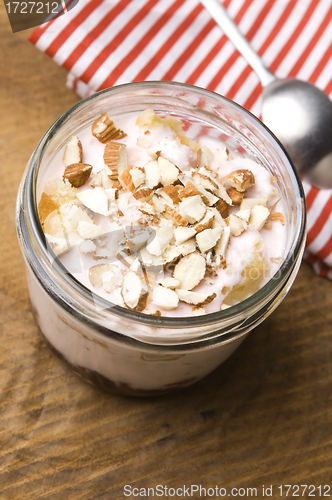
(263, 418)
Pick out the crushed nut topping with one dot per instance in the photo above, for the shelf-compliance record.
(174, 223)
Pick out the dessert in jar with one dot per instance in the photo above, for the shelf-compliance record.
(167, 232)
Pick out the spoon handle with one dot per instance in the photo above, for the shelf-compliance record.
(226, 23)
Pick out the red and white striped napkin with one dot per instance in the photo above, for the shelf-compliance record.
(107, 42)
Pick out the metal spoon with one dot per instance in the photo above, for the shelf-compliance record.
(298, 113)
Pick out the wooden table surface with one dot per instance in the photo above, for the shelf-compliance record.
(262, 418)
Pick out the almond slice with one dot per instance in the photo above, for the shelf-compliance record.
(258, 216)
(204, 157)
(240, 179)
(77, 174)
(158, 242)
(205, 302)
(235, 195)
(192, 208)
(112, 193)
(244, 214)
(205, 223)
(168, 171)
(73, 151)
(208, 238)
(194, 298)
(176, 216)
(138, 176)
(251, 202)
(222, 208)
(190, 270)
(164, 298)
(221, 246)
(189, 190)
(237, 225)
(187, 247)
(169, 282)
(152, 173)
(96, 273)
(193, 189)
(183, 234)
(137, 239)
(96, 180)
(95, 199)
(126, 180)
(115, 158)
(205, 181)
(143, 194)
(222, 193)
(134, 291)
(170, 193)
(171, 254)
(104, 129)
(105, 180)
(148, 260)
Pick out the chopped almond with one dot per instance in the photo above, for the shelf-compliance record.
(205, 223)
(205, 181)
(104, 129)
(168, 171)
(183, 234)
(127, 181)
(190, 270)
(134, 291)
(73, 151)
(169, 282)
(235, 195)
(174, 215)
(77, 174)
(194, 298)
(170, 193)
(189, 190)
(152, 173)
(97, 272)
(208, 238)
(240, 179)
(115, 157)
(164, 298)
(251, 202)
(222, 208)
(258, 216)
(192, 208)
(237, 225)
(205, 302)
(159, 240)
(143, 194)
(95, 199)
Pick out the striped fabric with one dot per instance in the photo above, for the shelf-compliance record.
(107, 42)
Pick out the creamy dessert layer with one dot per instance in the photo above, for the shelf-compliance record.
(159, 219)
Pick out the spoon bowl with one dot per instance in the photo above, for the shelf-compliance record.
(298, 113)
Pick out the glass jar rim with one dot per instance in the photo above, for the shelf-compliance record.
(215, 318)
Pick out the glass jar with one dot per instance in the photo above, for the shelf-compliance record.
(133, 353)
